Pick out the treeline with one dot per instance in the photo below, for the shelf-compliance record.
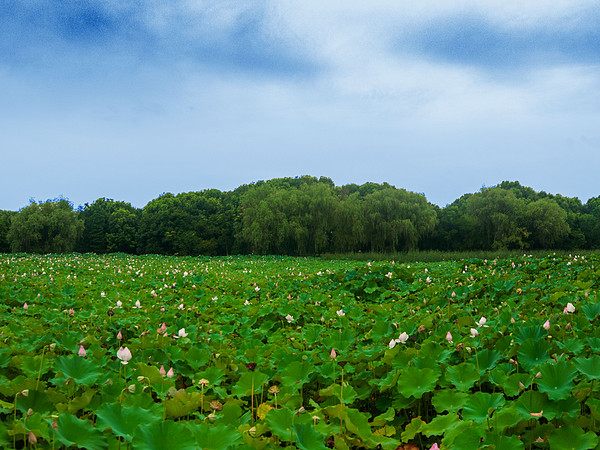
(306, 216)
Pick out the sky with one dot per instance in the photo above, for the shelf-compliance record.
(128, 100)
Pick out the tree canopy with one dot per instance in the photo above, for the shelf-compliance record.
(307, 216)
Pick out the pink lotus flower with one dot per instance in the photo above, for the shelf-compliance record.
(449, 337)
(25, 306)
(333, 354)
(81, 350)
(162, 371)
(119, 336)
(170, 373)
(434, 447)
(124, 354)
(546, 325)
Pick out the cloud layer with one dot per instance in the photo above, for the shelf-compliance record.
(128, 100)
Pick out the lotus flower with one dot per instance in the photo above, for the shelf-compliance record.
(392, 343)
(137, 304)
(170, 373)
(25, 306)
(119, 303)
(119, 336)
(289, 318)
(546, 325)
(181, 333)
(340, 313)
(434, 447)
(449, 337)
(124, 355)
(403, 337)
(81, 351)
(333, 354)
(569, 309)
(474, 332)
(482, 321)
(162, 371)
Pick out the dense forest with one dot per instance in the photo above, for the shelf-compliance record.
(306, 216)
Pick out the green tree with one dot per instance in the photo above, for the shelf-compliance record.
(50, 227)
(5, 220)
(547, 222)
(499, 219)
(109, 226)
(192, 223)
(396, 219)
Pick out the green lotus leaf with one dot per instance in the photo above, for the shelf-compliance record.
(557, 379)
(533, 353)
(82, 433)
(307, 438)
(218, 437)
(535, 332)
(450, 400)
(37, 401)
(511, 384)
(573, 346)
(162, 435)
(534, 402)
(506, 417)
(81, 401)
(230, 415)
(594, 405)
(197, 357)
(410, 431)
(153, 376)
(415, 382)
(440, 424)
(31, 366)
(249, 382)
(382, 419)
(485, 359)
(463, 375)
(281, 422)
(481, 405)
(297, 373)
(182, 403)
(590, 367)
(213, 374)
(591, 310)
(356, 422)
(5, 440)
(594, 343)
(83, 371)
(570, 437)
(123, 420)
(464, 436)
(5, 357)
(497, 441)
(69, 341)
(435, 352)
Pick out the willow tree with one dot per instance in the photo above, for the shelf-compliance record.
(50, 227)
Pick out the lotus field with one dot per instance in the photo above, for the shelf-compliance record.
(151, 352)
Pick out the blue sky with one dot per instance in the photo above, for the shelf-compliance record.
(127, 100)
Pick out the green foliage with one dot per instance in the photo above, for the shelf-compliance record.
(244, 358)
(50, 227)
